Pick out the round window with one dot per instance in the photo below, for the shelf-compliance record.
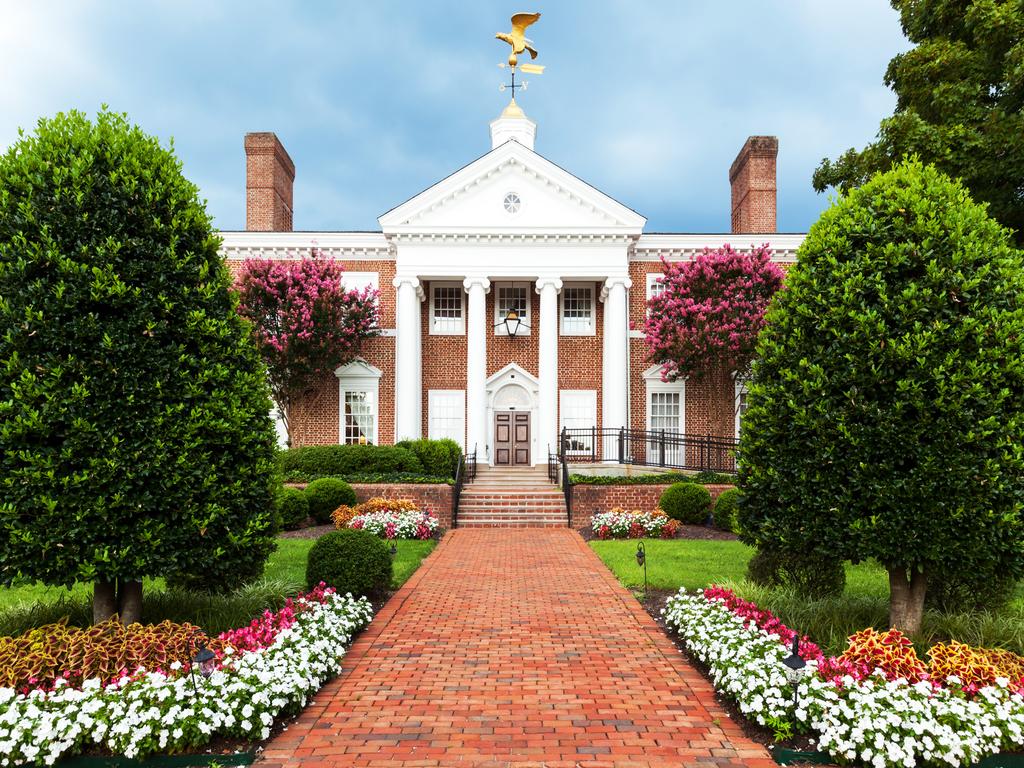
(512, 203)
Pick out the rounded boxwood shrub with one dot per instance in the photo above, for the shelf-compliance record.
(724, 513)
(350, 561)
(686, 502)
(326, 495)
(294, 508)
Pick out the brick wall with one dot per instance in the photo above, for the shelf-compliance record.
(580, 358)
(269, 176)
(588, 500)
(436, 498)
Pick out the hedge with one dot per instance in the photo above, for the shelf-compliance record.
(407, 478)
(345, 460)
(664, 478)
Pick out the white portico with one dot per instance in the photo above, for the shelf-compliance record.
(511, 218)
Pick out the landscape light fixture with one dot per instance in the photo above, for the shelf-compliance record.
(641, 560)
(394, 549)
(794, 667)
(512, 322)
(204, 659)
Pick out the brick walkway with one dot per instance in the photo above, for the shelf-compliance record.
(514, 648)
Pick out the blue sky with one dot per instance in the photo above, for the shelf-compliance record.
(375, 101)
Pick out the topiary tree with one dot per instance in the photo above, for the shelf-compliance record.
(134, 431)
(304, 322)
(704, 324)
(886, 411)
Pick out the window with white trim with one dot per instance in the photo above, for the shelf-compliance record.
(577, 409)
(666, 417)
(655, 284)
(509, 296)
(740, 403)
(360, 280)
(578, 310)
(358, 389)
(447, 312)
(446, 414)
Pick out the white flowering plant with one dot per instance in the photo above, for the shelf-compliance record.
(397, 524)
(180, 709)
(871, 719)
(619, 523)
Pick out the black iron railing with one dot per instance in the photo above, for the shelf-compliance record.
(649, 448)
(558, 473)
(465, 472)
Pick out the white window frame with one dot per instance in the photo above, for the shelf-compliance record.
(590, 394)
(359, 376)
(434, 398)
(461, 329)
(739, 388)
(653, 278)
(589, 288)
(653, 384)
(360, 280)
(499, 319)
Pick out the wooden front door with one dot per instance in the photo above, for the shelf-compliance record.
(512, 438)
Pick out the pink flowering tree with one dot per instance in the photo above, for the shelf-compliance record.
(705, 322)
(304, 322)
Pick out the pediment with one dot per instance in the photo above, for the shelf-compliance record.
(550, 199)
(358, 368)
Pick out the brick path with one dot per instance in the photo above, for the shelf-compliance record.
(514, 648)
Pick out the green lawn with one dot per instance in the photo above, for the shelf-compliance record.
(695, 564)
(31, 605)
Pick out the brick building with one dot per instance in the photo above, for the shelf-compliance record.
(511, 231)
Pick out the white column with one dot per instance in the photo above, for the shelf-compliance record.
(477, 328)
(408, 364)
(547, 366)
(615, 370)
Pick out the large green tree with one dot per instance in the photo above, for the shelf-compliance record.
(135, 437)
(886, 411)
(960, 104)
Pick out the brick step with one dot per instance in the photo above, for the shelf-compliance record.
(547, 495)
(512, 524)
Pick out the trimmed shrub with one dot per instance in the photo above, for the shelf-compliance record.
(326, 495)
(686, 502)
(412, 478)
(350, 561)
(340, 460)
(294, 507)
(724, 513)
(810, 576)
(438, 457)
(656, 478)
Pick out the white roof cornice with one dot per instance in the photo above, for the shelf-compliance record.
(685, 246)
(294, 245)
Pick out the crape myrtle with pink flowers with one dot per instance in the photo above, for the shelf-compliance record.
(305, 322)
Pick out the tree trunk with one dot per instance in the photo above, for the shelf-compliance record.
(104, 601)
(129, 601)
(906, 599)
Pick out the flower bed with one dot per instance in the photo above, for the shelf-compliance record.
(875, 716)
(620, 524)
(262, 672)
(389, 519)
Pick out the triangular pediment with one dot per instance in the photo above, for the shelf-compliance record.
(358, 368)
(511, 189)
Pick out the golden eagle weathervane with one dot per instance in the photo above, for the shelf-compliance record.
(520, 42)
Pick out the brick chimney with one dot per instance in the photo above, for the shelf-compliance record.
(269, 175)
(752, 176)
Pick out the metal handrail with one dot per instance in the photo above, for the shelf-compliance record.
(651, 448)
